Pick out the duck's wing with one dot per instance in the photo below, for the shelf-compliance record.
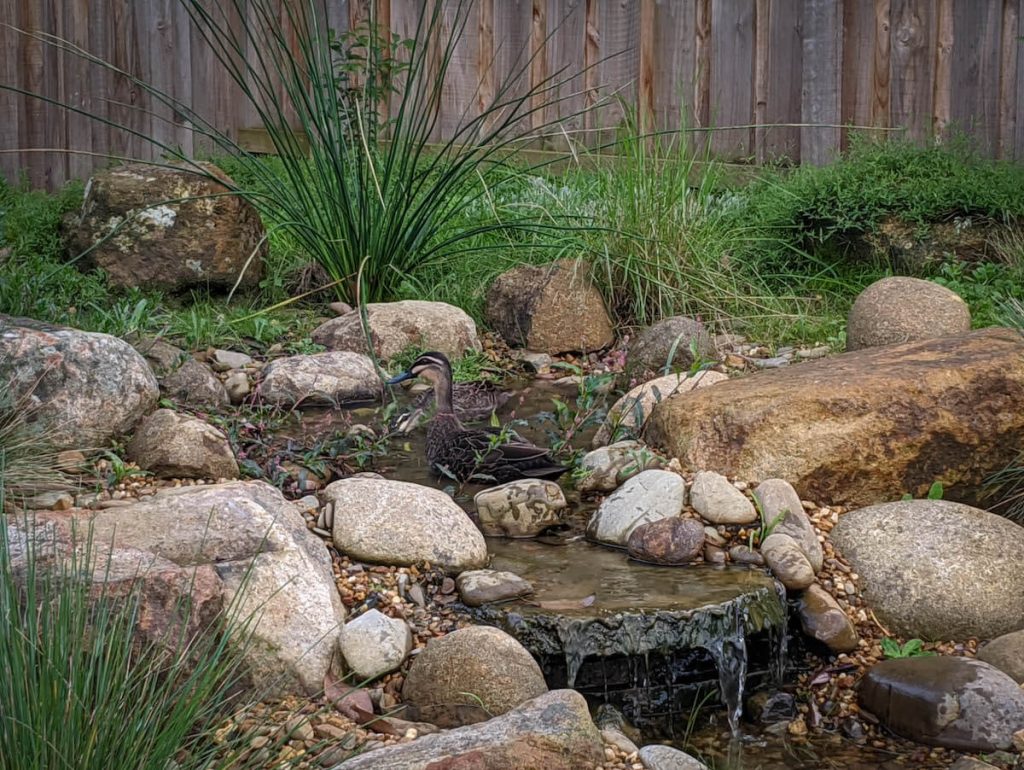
(513, 448)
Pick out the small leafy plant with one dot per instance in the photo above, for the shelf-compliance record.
(912, 648)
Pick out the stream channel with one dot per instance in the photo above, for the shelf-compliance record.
(674, 650)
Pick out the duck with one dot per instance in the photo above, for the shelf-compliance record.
(471, 400)
(477, 454)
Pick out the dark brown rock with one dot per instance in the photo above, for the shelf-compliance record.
(553, 731)
(165, 242)
(898, 309)
(550, 309)
(959, 703)
(667, 541)
(677, 336)
(822, 618)
(861, 427)
(470, 675)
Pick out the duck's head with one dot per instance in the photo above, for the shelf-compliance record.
(432, 367)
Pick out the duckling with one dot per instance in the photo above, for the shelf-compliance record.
(471, 400)
(468, 453)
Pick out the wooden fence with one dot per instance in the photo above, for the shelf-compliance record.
(779, 78)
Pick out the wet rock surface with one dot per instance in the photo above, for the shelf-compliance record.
(959, 703)
(861, 427)
(667, 541)
(646, 497)
(485, 586)
(395, 522)
(470, 675)
(521, 508)
(552, 731)
(787, 561)
(397, 326)
(821, 618)
(936, 569)
(901, 309)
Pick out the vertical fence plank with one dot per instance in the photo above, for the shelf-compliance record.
(591, 57)
(943, 85)
(880, 68)
(10, 103)
(78, 128)
(858, 64)
(783, 80)
(974, 97)
(538, 62)
(674, 64)
(1008, 105)
(913, 27)
(732, 74)
(618, 68)
(168, 68)
(1018, 144)
(819, 138)
(125, 96)
(567, 22)
(513, 20)
(458, 99)
(645, 66)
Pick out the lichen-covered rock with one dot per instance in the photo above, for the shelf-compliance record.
(936, 569)
(900, 309)
(648, 496)
(550, 309)
(470, 675)
(173, 445)
(161, 241)
(82, 388)
(320, 378)
(374, 644)
(959, 703)
(606, 468)
(395, 522)
(397, 326)
(677, 337)
(520, 508)
(862, 427)
(552, 731)
(629, 414)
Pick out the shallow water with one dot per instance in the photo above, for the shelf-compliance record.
(577, 581)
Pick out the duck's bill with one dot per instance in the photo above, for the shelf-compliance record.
(400, 378)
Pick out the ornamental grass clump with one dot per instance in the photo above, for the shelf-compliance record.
(360, 187)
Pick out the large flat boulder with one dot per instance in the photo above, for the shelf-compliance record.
(168, 228)
(553, 731)
(271, 566)
(82, 388)
(862, 427)
(935, 569)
